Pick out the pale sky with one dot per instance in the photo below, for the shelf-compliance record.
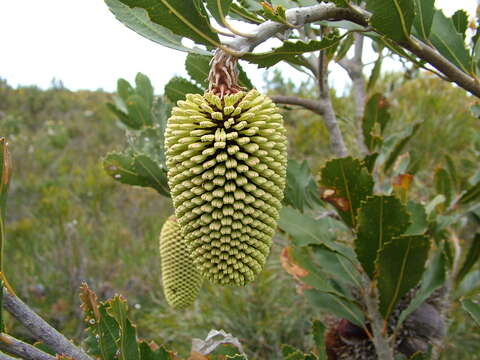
(81, 43)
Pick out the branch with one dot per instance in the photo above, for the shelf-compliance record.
(40, 328)
(309, 104)
(4, 356)
(309, 14)
(23, 350)
(297, 17)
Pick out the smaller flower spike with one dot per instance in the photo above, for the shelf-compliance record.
(181, 280)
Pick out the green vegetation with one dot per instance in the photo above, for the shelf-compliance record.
(69, 222)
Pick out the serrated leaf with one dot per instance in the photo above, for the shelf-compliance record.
(375, 120)
(401, 263)
(181, 17)
(301, 190)
(177, 88)
(152, 173)
(473, 309)
(443, 184)
(139, 21)
(473, 255)
(123, 117)
(139, 111)
(344, 46)
(291, 353)
(380, 219)
(318, 330)
(108, 334)
(335, 305)
(432, 279)
(305, 230)
(336, 266)
(147, 353)
(471, 194)
(144, 88)
(198, 67)
(120, 167)
(393, 18)
(240, 13)
(449, 42)
(289, 51)
(425, 9)
(124, 89)
(243, 79)
(350, 183)
(460, 20)
(127, 342)
(276, 14)
(418, 218)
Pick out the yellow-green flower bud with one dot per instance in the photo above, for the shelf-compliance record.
(181, 279)
(227, 162)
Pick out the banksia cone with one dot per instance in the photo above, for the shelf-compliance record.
(226, 159)
(181, 279)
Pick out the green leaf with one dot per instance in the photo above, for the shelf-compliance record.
(376, 71)
(139, 21)
(449, 42)
(181, 17)
(335, 305)
(198, 67)
(418, 217)
(219, 9)
(443, 185)
(369, 161)
(473, 309)
(291, 353)
(473, 255)
(305, 230)
(108, 333)
(243, 79)
(240, 13)
(460, 20)
(351, 184)
(401, 263)
(318, 330)
(144, 89)
(380, 219)
(393, 18)
(289, 51)
(123, 117)
(124, 89)
(139, 111)
(344, 46)
(152, 173)
(471, 194)
(301, 190)
(336, 266)
(425, 9)
(408, 135)
(127, 342)
(452, 171)
(432, 279)
(470, 284)
(301, 256)
(178, 87)
(146, 353)
(276, 14)
(375, 120)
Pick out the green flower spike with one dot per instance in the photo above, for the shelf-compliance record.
(227, 159)
(181, 279)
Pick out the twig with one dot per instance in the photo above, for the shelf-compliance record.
(309, 104)
(21, 349)
(382, 346)
(354, 68)
(40, 328)
(329, 117)
(4, 356)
